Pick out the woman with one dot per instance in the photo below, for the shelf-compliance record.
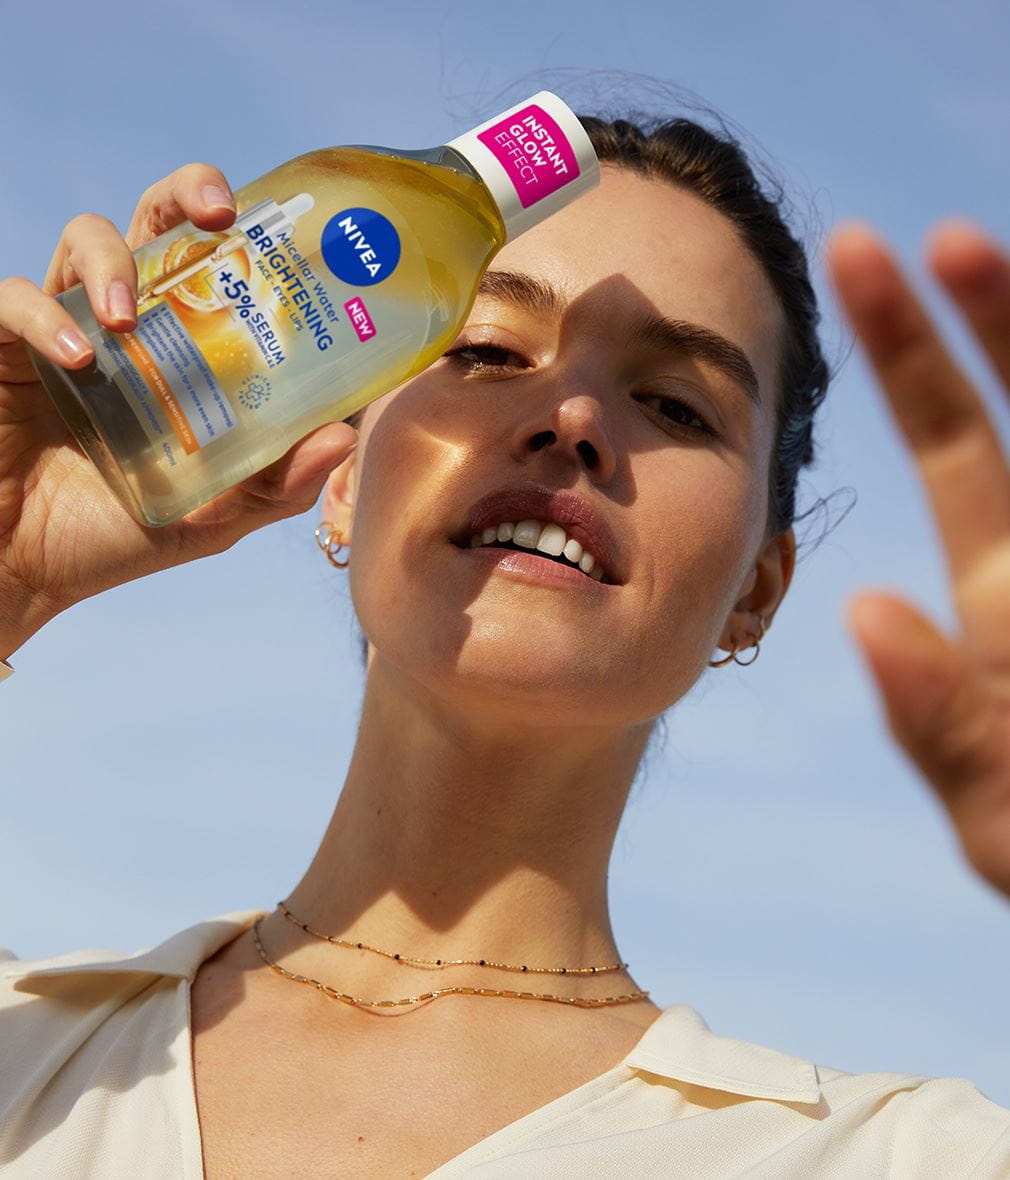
(649, 396)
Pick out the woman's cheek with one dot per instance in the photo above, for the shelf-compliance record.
(699, 552)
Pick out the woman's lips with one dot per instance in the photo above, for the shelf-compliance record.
(530, 567)
(575, 514)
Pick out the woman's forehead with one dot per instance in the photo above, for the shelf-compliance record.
(683, 256)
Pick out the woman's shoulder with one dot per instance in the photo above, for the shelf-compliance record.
(49, 1007)
(95, 1043)
(178, 956)
(849, 1118)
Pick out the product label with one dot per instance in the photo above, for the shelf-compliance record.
(159, 358)
(292, 284)
(250, 336)
(361, 247)
(534, 152)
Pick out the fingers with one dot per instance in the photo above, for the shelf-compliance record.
(944, 714)
(930, 395)
(92, 251)
(195, 192)
(290, 485)
(28, 313)
(976, 273)
(944, 419)
(930, 695)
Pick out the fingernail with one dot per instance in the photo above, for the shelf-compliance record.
(72, 344)
(121, 302)
(216, 197)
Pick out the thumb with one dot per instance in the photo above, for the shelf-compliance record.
(930, 692)
(289, 485)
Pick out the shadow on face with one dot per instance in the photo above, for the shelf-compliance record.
(592, 370)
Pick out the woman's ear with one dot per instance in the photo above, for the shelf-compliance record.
(338, 496)
(764, 590)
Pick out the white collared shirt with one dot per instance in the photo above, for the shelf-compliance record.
(96, 1083)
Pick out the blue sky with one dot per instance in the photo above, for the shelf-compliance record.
(172, 749)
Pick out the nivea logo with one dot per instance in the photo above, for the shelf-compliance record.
(360, 246)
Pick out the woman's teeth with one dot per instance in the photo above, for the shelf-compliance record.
(547, 538)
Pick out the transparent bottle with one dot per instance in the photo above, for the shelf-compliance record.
(347, 271)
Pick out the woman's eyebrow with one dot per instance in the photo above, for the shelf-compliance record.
(511, 286)
(678, 336)
(693, 340)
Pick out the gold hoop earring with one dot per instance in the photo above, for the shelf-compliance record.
(326, 544)
(732, 654)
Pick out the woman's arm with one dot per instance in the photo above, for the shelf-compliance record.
(947, 698)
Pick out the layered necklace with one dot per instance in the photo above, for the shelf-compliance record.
(438, 964)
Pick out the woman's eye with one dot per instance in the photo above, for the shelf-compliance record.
(678, 412)
(486, 356)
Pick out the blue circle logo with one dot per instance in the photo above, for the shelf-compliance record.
(360, 246)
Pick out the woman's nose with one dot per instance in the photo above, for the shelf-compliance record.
(570, 427)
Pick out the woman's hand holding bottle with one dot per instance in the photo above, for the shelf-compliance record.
(63, 535)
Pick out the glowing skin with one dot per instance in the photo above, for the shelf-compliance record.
(505, 714)
(521, 708)
(504, 719)
(689, 511)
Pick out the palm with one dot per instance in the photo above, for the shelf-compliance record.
(947, 698)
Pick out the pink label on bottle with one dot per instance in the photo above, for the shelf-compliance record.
(534, 151)
(360, 319)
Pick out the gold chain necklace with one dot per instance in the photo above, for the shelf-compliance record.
(364, 946)
(434, 994)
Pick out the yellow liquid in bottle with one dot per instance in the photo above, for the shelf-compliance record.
(247, 343)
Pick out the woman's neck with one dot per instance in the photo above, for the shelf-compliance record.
(461, 835)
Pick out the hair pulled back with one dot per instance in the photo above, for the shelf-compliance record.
(716, 170)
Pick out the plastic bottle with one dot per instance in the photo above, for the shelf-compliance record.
(347, 271)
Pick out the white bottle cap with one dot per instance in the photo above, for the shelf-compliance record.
(274, 218)
(534, 158)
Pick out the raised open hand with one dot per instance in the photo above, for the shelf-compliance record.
(947, 698)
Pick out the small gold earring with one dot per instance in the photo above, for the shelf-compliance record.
(732, 654)
(333, 535)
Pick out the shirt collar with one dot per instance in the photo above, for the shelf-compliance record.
(179, 956)
(677, 1045)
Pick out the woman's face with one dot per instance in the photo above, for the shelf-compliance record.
(561, 384)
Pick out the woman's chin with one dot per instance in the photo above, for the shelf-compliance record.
(526, 679)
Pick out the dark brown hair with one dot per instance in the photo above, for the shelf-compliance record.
(716, 170)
